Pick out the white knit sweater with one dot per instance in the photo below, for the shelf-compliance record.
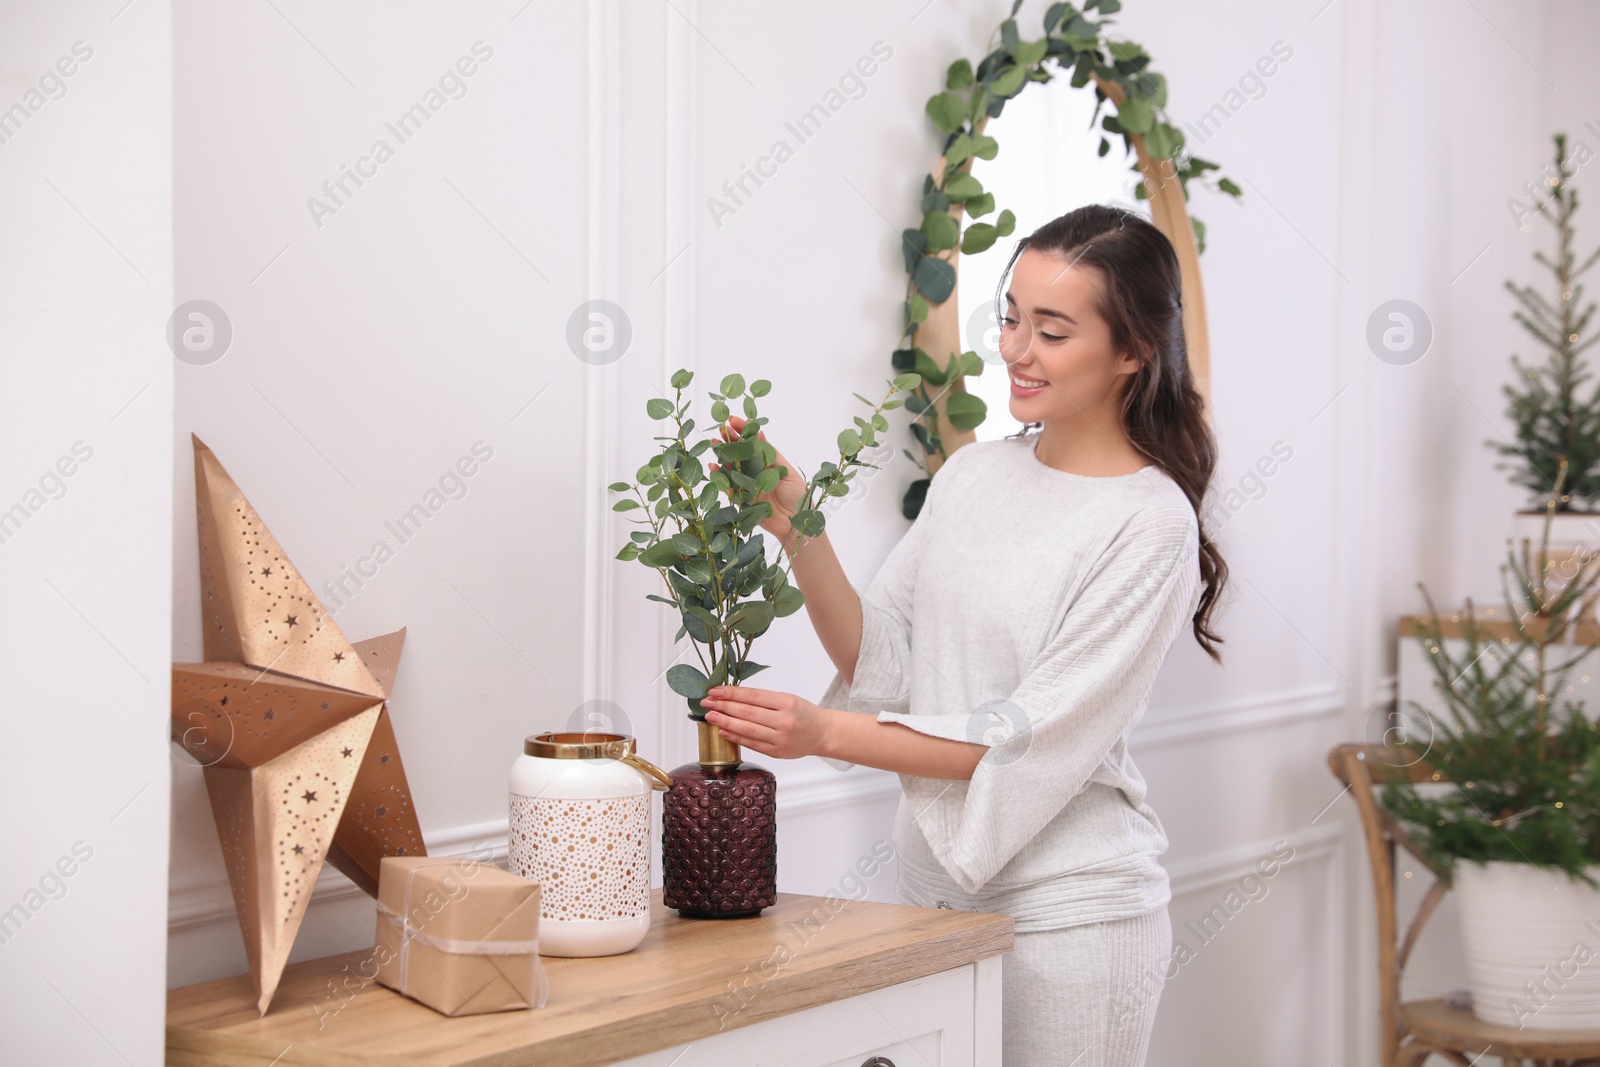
(1028, 609)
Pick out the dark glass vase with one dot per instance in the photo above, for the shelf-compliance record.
(719, 834)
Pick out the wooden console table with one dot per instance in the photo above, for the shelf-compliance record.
(810, 982)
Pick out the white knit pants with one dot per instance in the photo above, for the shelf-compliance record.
(1084, 996)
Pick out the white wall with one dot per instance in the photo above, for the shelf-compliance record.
(374, 346)
(85, 530)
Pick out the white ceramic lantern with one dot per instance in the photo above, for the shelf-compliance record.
(580, 827)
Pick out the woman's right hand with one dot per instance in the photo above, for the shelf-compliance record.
(785, 499)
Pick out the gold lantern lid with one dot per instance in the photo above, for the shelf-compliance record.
(594, 745)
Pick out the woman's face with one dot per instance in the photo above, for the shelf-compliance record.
(1056, 346)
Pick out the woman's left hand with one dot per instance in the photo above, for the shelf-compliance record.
(775, 724)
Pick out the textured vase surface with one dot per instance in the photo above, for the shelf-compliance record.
(719, 841)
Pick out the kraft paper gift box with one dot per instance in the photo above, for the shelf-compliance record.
(459, 936)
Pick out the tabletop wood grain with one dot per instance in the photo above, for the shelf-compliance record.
(689, 979)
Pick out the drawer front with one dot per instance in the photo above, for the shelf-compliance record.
(928, 1022)
(915, 1053)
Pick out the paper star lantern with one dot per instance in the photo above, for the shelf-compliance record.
(290, 721)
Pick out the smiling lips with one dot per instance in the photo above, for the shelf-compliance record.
(1021, 386)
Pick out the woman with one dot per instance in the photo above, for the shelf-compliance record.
(1009, 642)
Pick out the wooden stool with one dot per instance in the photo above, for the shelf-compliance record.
(1416, 1029)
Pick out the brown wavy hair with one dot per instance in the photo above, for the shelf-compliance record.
(1162, 411)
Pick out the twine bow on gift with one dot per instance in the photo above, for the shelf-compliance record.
(410, 932)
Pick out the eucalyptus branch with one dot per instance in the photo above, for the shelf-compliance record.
(708, 551)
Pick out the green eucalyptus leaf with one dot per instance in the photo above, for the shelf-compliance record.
(904, 382)
(964, 410)
(1135, 115)
(962, 186)
(947, 110)
(911, 503)
(628, 552)
(985, 147)
(701, 624)
(808, 523)
(1162, 141)
(661, 554)
(719, 411)
(760, 387)
(912, 244)
(959, 76)
(1028, 53)
(849, 442)
(687, 680)
(979, 237)
(941, 229)
(787, 601)
(929, 370)
(733, 386)
(619, 487)
(917, 308)
(626, 505)
(1009, 81)
(658, 408)
(681, 378)
(748, 668)
(935, 278)
(1005, 223)
(980, 205)
(752, 618)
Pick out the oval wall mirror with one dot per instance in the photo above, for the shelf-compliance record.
(1050, 164)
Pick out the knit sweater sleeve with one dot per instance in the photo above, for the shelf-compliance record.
(882, 677)
(1084, 690)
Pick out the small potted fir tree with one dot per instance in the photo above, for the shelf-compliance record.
(1513, 823)
(719, 827)
(1554, 407)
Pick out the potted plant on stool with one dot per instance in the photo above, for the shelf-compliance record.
(719, 827)
(1554, 408)
(1514, 822)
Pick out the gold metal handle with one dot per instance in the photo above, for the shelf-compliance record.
(661, 780)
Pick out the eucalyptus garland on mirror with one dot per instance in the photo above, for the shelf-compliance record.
(702, 537)
(1121, 74)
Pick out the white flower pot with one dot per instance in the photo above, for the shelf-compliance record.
(1531, 936)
